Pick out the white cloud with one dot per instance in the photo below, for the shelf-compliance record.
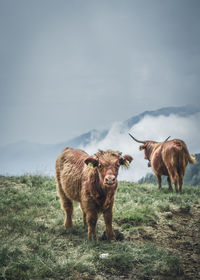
(149, 128)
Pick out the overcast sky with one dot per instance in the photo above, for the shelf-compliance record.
(67, 67)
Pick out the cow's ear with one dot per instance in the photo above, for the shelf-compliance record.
(125, 160)
(142, 147)
(91, 162)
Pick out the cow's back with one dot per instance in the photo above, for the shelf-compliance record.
(69, 169)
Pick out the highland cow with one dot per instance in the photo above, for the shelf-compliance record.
(168, 158)
(92, 181)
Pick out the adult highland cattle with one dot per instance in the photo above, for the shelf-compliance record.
(168, 158)
(92, 181)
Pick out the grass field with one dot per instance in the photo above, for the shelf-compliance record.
(160, 233)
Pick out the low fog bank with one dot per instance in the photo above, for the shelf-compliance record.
(149, 128)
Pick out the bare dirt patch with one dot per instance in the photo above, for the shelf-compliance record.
(178, 232)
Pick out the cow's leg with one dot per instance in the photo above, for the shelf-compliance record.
(159, 180)
(176, 184)
(91, 218)
(174, 176)
(84, 215)
(67, 206)
(181, 177)
(169, 183)
(181, 180)
(180, 183)
(108, 222)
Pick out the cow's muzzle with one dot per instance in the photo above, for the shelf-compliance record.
(110, 180)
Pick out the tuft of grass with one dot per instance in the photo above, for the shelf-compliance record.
(156, 261)
(185, 207)
(139, 215)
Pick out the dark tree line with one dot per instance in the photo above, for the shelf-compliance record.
(192, 175)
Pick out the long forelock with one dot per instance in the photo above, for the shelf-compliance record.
(107, 155)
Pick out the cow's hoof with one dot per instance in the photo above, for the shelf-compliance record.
(118, 236)
(67, 225)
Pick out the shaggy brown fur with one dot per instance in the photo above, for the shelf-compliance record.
(92, 181)
(170, 159)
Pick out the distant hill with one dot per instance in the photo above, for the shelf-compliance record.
(183, 111)
(98, 135)
(192, 175)
(27, 157)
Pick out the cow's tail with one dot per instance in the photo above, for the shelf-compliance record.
(191, 159)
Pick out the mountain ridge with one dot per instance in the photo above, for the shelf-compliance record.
(23, 156)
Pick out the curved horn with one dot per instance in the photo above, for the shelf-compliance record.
(143, 142)
(167, 138)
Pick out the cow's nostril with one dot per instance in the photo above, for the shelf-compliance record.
(110, 180)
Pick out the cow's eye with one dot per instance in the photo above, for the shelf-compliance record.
(100, 165)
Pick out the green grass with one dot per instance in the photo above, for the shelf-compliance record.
(35, 245)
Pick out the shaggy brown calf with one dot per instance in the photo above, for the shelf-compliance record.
(92, 181)
(168, 158)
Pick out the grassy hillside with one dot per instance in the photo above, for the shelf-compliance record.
(159, 234)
